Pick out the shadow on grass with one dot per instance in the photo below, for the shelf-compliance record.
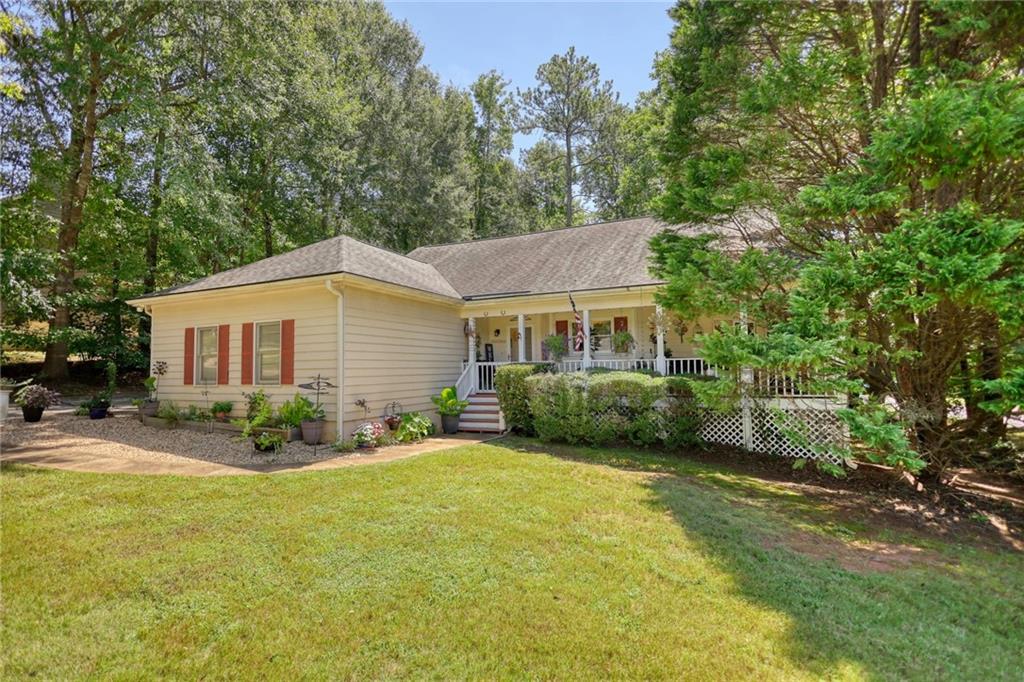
(953, 612)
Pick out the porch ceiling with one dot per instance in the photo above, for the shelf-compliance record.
(627, 297)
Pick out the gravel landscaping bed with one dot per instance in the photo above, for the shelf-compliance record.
(122, 435)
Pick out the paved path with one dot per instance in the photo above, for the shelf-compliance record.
(74, 459)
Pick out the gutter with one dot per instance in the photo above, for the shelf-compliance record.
(339, 340)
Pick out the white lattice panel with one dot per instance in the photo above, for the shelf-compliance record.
(798, 433)
(804, 433)
(725, 428)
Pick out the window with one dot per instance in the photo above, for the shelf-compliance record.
(206, 355)
(268, 353)
(601, 335)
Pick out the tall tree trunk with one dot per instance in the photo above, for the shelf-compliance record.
(268, 235)
(568, 179)
(79, 162)
(153, 234)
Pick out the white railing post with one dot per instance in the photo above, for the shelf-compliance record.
(586, 339)
(660, 366)
(471, 353)
(747, 381)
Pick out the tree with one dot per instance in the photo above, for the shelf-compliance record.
(572, 106)
(80, 70)
(494, 184)
(882, 144)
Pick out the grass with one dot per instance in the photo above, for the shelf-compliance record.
(487, 561)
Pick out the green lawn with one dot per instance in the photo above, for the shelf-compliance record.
(485, 561)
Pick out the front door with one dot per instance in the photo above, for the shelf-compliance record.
(514, 352)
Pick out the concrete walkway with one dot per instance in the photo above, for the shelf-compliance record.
(74, 459)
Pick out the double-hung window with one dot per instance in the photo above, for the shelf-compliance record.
(268, 352)
(206, 355)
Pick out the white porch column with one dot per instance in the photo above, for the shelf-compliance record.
(586, 338)
(522, 337)
(660, 365)
(471, 341)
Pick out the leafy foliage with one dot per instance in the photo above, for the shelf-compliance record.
(513, 396)
(880, 147)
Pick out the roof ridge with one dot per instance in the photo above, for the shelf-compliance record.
(529, 234)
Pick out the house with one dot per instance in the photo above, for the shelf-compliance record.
(384, 327)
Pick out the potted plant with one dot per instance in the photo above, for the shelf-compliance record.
(450, 408)
(149, 406)
(6, 387)
(367, 435)
(221, 409)
(556, 346)
(97, 406)
(295, 411)
(34, 399)
(170, 415)
(313, 426)
(622, 342)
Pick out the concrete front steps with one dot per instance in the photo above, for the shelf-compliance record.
(482, 415)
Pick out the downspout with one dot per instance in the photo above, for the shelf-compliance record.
(339, 337)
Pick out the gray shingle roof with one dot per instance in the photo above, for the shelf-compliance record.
(598, 256)
(331, 256)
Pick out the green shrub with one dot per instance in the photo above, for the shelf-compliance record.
(558, 406)
(293, 412)
(169, 412)
(513, 399)
(607, 407)
(413, 427)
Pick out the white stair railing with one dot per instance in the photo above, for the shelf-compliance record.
(465, 387)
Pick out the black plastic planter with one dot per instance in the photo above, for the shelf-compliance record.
(98, 412)
(450, 423)
(32, 414)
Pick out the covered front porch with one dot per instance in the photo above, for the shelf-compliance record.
(622, 332)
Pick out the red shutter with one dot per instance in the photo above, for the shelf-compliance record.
(562, 329)
(190, 356)
(247, 354)
(287, 352)
(622, 324)
(223, 343)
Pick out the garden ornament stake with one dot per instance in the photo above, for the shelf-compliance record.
(319, 384)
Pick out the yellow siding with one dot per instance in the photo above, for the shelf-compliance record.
(313, 308)
(398, 349)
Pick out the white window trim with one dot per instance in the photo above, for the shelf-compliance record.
(199, 354)
(256, 353)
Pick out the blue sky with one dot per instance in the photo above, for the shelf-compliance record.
(461, 40)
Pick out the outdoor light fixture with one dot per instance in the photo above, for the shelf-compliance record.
(497, 333)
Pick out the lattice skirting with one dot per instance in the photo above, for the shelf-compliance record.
(804, 433)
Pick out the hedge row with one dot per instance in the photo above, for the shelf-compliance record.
(599, 408)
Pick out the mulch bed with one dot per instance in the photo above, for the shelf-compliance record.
(957, 508)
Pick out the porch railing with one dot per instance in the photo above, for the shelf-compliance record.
(677, 366)
(480, 375)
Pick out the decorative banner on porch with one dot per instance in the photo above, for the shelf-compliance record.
(580, 338)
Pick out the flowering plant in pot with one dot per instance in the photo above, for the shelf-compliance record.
(450, 408)
(368, 435)
(34, 399)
